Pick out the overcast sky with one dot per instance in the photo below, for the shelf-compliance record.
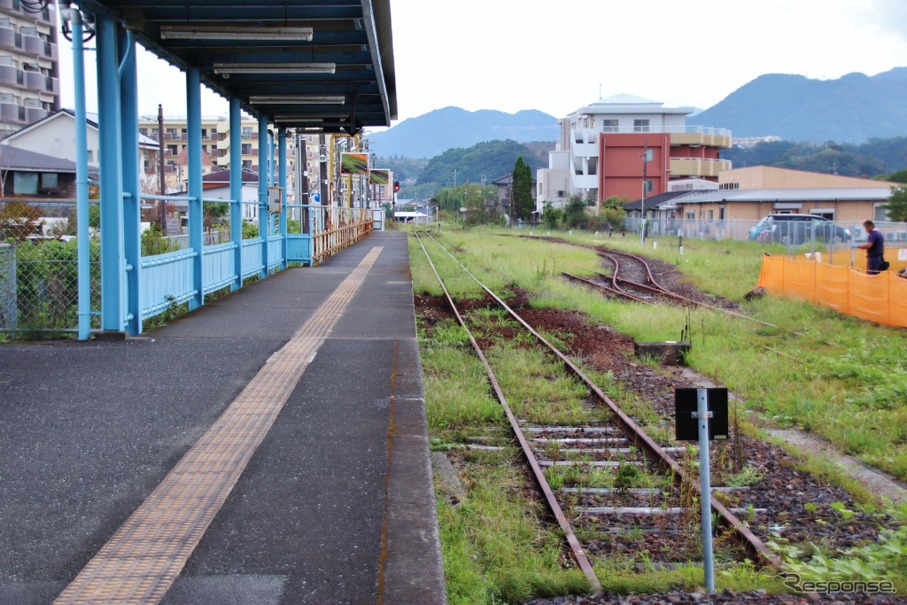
(556, 56)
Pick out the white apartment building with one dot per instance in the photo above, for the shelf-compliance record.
(576, 165)
(29, 66)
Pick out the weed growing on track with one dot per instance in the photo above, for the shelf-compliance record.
(495, 549)
(845, 380)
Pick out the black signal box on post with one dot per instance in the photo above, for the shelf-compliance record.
(685, 417)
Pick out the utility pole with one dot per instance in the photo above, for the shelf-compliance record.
(323, 174)
(642, 224)
(302, 180)
(160, 149)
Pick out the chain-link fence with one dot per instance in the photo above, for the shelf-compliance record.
(39, 286)
(797, 237)
(9, 317)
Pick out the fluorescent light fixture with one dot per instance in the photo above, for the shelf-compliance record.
(298, 99)
(275, 68)
(234, 32)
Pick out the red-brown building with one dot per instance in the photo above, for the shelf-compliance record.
(601, 149)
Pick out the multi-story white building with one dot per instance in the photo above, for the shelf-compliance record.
(318, 158)
(29, 66)
(215, 134)
(601, 147)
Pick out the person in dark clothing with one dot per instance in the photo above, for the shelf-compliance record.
(875, 248)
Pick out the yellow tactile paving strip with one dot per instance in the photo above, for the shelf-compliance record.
(144, 557)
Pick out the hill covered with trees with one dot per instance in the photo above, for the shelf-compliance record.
(480, 164)
(873, 159)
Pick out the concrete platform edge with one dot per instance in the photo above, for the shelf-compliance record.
(413, 566)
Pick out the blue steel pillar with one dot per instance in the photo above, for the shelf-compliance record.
(282, 182)
(264, 221)
(236, 208)
(194, 167)
(271, 218)
(132, 206)
(113, 257)
(81, 126)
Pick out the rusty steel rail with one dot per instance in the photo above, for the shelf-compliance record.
(663, 291)
(638, 437)
(605, 288)
(538, 474)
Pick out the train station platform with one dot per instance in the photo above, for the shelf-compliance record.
(268, 448)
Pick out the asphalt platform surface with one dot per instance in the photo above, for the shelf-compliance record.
(336, 505)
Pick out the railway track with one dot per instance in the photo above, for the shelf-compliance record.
(632, 279)
(612, 487)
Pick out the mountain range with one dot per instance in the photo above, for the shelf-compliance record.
(850, 109)
(437, 131)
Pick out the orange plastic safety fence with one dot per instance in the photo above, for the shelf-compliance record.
(880, 298)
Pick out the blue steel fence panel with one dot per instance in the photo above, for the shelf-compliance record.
(252, 257)
(218, 266)
(275, 250)
(299, 248)
(166, 279)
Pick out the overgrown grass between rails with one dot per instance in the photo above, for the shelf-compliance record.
(725, 268)
(845, 380)
(814, 382)
(495, 547)
(495, 550)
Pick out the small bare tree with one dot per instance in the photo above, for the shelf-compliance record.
(4, 169)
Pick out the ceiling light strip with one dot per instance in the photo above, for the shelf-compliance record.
(298, 100)
(275, 68)
(237, 32)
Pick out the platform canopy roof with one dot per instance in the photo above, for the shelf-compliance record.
(315, 65)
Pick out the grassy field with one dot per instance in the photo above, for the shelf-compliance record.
(843, 379)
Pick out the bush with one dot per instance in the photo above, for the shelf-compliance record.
(552, 217)
(47, 284)
(155, 242)
(249, 230)
(575, 216)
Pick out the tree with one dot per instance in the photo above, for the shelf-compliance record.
(479, 204)
(899, 176)
(612, 215)
(521, 201)
(575, 216)
(215, 213)
(897, 204)
(551, 216)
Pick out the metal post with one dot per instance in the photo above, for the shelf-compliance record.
(642, 218)
(82, 214)
(132, 190)
(160, 143)
(302, 181)
(263, 220)
(236, 208)
(271, 167)
(194, 186)
(282, 183)
(703, 414)
(113, 262)
(323, 169)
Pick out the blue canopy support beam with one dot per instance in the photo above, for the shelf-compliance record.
(263, 218)
(282, 183)
(131, 167)
(194, 168)
(236, 209)
(113, 257)
(82, 214)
